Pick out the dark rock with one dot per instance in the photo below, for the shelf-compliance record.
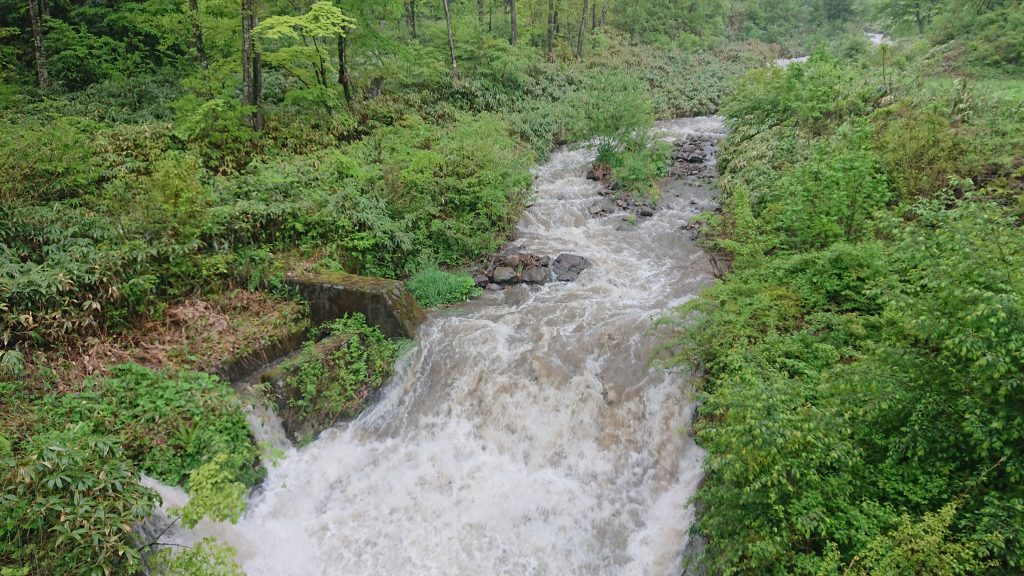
(592, 175)
(494, 287)
(596, 208)
(387, 304)
(503, 274)
(646, 211)
(536, 275)
(567, 267)
(481, 280)
(695, 159)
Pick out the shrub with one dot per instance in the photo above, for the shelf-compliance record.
(68, 505)
(333, 378)
(434, 287)
(171, 425)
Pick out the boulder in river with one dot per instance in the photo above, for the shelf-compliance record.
(503, 274)
(516, 267)
(536, 275)
(387, 304)
(567, 267)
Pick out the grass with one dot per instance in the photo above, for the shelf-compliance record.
(433, 287)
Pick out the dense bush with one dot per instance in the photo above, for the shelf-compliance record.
(69, 501)
(862, 360)
(170, 425)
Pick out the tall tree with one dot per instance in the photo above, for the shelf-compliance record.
(451, 39)
(579, 35)
(411, 15)
(197, 33)
(343, 78)
(514, 34)
(551, 30)
(480, 13)
(36, 16)
(251, 65)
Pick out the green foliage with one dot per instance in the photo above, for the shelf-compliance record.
(829, 197)
(616, 111)
(458, 190)
(171, 425)
(814, 95)
(206, 558)
(921, 149)
(434, 287)
(214, 493)
(920, 547)
(214, 128)
(618, 116)
(862, 359)
(69, 503)
(332, 379)
(298, 45)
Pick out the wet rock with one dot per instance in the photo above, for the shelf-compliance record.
(645, 211)
(596, 209)
(503, 274)
(695, 159)
(567, 267)
(536, 275)
(494, 287)
(387, 304)
(513, 266)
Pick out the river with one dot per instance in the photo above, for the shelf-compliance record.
(526, 433)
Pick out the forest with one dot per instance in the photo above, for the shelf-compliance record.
(167, 165)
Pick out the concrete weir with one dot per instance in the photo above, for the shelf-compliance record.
(387, 304)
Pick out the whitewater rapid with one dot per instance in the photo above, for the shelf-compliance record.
(526, 433)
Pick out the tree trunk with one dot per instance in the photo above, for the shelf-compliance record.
(37, 43)
(919, 19)
(251, 73)
(514, 20)
(343, 79)
(480, 13)
(197, 33)
(412, 17)
(551, 30)
(451, 39)
(579, 35)
(593, 16)
(321, 68)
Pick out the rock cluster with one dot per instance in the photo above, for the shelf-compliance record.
(693, 156)
(609, 205)
(522, 268)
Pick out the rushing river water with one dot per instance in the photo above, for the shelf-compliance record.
(526, 433)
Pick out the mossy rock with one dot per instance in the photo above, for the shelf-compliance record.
(385, 303)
